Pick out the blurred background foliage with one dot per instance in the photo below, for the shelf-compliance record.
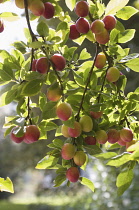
(34, 188)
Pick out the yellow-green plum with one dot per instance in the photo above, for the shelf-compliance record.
(14, 137)
(20, 4)
(100, 61)
(68, 151)
(54, 92)
(97, 26)
(79, 158)
(86, 123)
(113, 136)
(110, 22)
(64, 131)
(73, 34)
(126, 134)
(90, 140)
(36, 7)
(58, 61)
(103, 37)
(81, 9)
(96, 115)
(64, 111)
(76, 131)
(32, 134)
(49, 10)
(42, 65)
(101, 137)
(82, 25)
(113, 74)
(72, 174)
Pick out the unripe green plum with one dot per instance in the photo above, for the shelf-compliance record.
(103, 37)
(76, 131)
(58, 61)
(14, 137)
(64, 131)
(73, 34)
(113, 136)
(79, 158)
(1, 26)
(54, 92)
(64, 111)
(90, 140)
(49, 10)
(68, 151)
(86, 123)
(36, 7)
(100, 61)
(81, 9)
(96, 115)
(126, 135)
(33, 68)
(20, 4)
(42, 65)
(110, 22)
(97, 26)
(101, 137)
(32, 134)
(82, 25)
(72, 174)
(113, 74)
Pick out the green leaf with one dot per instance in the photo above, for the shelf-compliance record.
(6, 73)
(124, 180)
(58, 143)
(129, 57)
(126, 12)
(133, 64)
(92, 149)
(47, 162)
(32, 87)
(87, 182)
(70, 4)
(10, 96)
(114, 6)
(119, 160)
(9, 16)
(59, 180)
(126, 36)
(42, 29)
(6, 185)
(84, 55)
(35, 44)
(49, 110)
(106, 155)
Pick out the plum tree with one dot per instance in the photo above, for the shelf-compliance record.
(64, 111)
(72, 174)
(42, 65)
(113, 74)
(97, 26)
(86, 123)
(54, 92)
(79, 158)
(76, 131)
(58, 61)
(49, 10)
(90, 140)
(113, 136)
(101, 137)
(14, 137)
(73, 34)
(126, 135)
(81, 8)
(110, 22)
(36, 7)
(68, 151)
(100, 61)
(82, 25)
(32, 134)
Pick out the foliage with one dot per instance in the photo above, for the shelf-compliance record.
(84, 87)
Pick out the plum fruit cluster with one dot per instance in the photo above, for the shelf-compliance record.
(38, 8)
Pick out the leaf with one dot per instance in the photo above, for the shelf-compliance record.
(10, 96)
(49, 110)
(87, 182)
(6, 73)
(58, 143)
(9, 16)
(84, 55)
(133, 64)
(126, 36)
(126, 12)
(119, 160)
(47, 162)
(32, 87)
(92, 149)
(42, 29)
(124, 180)
(129, 57)
(70, 4)
(35, 44)
(6, 185)
(106, 155)
(59, 180)
(114, 6)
